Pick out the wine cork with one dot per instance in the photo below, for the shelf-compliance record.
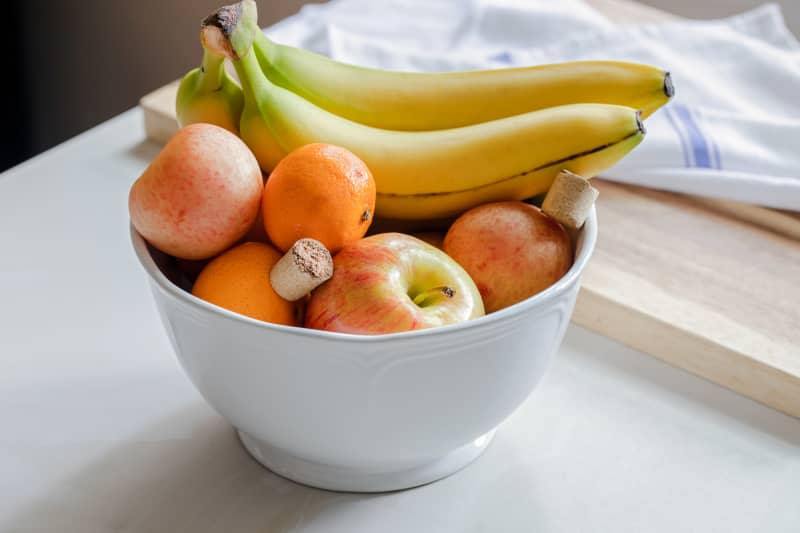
(569, 200)
(306, 266)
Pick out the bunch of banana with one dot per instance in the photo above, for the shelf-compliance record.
(436, 143)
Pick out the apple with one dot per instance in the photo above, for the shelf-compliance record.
(199, 195)
(511, 250)
(392, 282)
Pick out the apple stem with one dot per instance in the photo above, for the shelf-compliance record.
(433, 295)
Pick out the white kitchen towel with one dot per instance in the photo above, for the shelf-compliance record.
(732, 130)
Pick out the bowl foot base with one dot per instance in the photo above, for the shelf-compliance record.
(341, 478)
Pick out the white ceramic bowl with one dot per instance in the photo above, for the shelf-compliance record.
(365, 413)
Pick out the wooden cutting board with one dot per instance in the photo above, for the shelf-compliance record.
(709, 286)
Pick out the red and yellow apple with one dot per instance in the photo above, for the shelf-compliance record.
(510, 249)
(392, 282)
(200, 194)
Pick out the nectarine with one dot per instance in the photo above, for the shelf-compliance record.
(510, 249)
(199, 195)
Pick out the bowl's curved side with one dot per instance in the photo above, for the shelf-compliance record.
(382, 402)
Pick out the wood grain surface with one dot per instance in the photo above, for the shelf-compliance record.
(700, 289)
(707, 285)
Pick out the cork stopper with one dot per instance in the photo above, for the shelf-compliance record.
(569, 200)
(306, 266)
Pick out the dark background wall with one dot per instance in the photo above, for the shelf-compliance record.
(74, 64)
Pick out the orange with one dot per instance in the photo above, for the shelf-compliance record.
(319, 191)
(238, 280)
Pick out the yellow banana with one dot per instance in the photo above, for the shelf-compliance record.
(433, 174)
(208, 94)
(417, 101)
(529, 182)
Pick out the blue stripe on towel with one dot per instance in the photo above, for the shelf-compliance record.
(715, 150)
(709, 132)
(681, 137)
(502, 57)
(698, 143)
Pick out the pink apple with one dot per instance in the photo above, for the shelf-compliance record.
(511, 250)
(200, 194)
(392, 282)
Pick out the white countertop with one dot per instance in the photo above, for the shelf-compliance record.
(102, 432)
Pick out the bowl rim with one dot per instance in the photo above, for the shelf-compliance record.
(585, 241)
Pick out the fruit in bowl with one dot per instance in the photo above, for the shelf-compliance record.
(199, 195)
(392, 282)
(511, 249)
(319, 191)
(373, 375)
(404, 368)
(235, 280)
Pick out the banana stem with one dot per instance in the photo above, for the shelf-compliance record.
(213, 69)
(252, 79)
(434, 295)
(230, 30)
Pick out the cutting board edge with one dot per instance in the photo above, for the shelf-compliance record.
(715, 362)
(158, 108)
